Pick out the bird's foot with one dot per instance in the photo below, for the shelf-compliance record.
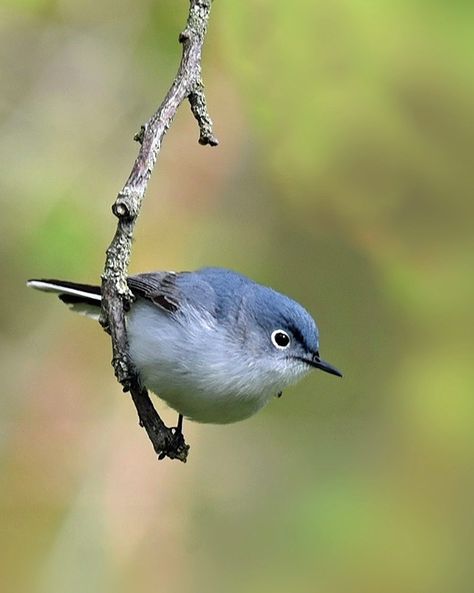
(176, 446)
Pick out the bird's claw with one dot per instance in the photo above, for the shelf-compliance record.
(176, 447)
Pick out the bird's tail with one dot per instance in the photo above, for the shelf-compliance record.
(81, 298)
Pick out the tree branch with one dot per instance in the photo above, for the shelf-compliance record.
(116, 296)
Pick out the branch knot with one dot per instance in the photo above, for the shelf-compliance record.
(126, 206)
(139, 136)
(184, 36)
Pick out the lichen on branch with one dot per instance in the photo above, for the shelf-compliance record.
(116, 296)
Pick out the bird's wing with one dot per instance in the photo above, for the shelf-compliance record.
(171, 290)
(158, 287)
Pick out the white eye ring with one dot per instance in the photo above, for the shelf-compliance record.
(280, 339)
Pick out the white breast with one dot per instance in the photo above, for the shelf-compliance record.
(195, 367)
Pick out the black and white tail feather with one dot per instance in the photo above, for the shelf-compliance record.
(158, 287)
(84, 299)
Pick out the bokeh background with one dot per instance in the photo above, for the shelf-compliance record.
(344, 178)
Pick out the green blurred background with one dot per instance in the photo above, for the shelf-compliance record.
(344, 178)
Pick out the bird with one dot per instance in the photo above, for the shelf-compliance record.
(213, 344)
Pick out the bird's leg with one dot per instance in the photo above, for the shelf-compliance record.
(176, 441)
(179, 427)
(178, 437)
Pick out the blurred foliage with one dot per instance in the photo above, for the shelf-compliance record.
(343, 178)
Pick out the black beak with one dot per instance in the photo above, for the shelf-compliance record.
(317, 363)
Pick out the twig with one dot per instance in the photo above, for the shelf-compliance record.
(116, 296)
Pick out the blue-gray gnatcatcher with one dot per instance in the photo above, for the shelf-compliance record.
(213, 344)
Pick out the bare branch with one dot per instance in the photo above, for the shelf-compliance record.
(197, 101)
(116, 296)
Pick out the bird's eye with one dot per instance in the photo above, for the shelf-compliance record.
(280, 339)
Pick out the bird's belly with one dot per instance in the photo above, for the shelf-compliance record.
(196, 369)
(208, 406)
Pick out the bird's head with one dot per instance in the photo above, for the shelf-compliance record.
(284, 334)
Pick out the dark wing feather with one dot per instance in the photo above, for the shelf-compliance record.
(160, 288)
